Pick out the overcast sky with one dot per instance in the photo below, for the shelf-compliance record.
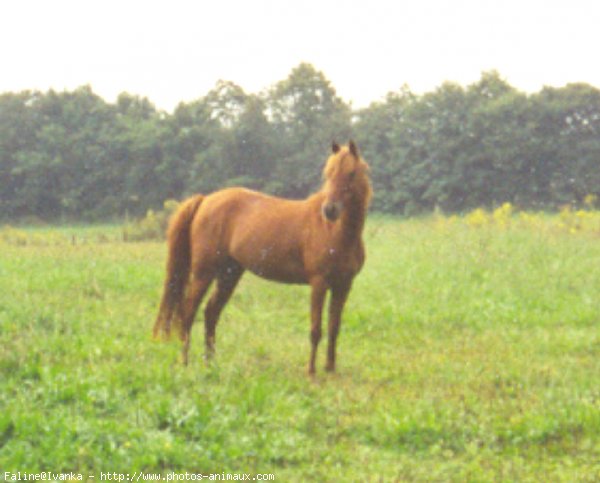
(176, 50)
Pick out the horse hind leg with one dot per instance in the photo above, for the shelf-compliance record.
(196, 291)
(227, 280)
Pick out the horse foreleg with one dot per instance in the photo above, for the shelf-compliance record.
(317, 298)
(226, 284)
(339, 295)
(196, 291)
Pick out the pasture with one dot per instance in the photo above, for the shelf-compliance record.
(469, 351)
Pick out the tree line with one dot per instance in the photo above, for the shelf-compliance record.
(74, 156)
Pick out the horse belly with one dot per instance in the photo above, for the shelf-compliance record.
(278, 269)
(279, 276)
(270, 261)
(267, 240)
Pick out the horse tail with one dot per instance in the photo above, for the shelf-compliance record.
(178, 265)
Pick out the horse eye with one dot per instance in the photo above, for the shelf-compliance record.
(351, 175)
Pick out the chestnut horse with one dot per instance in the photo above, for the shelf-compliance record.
(316, 241)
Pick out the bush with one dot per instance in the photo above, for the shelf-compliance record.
(17, 237)
(153, 226)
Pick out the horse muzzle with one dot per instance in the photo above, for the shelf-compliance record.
(332, 210)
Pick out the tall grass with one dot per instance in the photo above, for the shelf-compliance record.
(469, 351)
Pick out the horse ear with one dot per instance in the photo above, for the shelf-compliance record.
(353, 148)
(335, 147)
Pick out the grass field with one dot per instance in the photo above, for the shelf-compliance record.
(469, 351)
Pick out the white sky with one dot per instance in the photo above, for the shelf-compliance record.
(176, 50)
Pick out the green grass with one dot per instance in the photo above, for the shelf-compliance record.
(466, 354)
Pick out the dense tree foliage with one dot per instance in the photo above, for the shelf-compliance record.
(458, 148)
(72, 155)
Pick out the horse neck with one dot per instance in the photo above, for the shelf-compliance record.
(353, 220)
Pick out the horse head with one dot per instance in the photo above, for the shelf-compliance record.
(346, 181)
